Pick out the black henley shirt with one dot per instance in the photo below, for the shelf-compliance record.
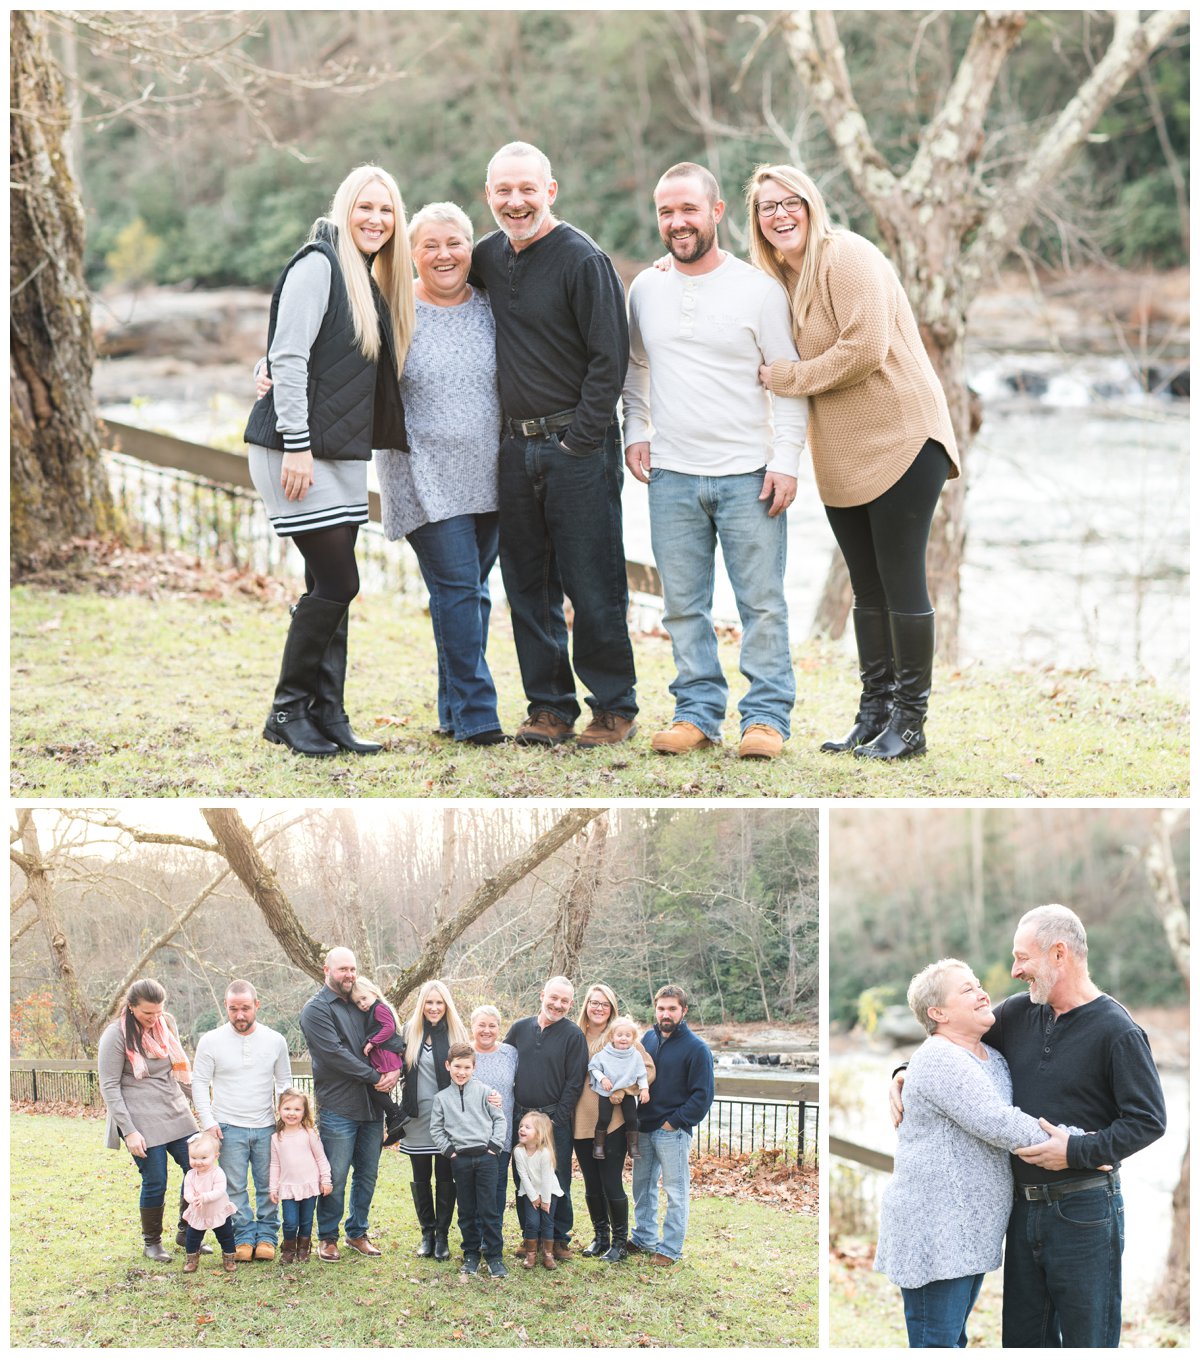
(551, 1068)
(562, 335)
(1089, 1067)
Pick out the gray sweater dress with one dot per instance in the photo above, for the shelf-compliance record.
(154, 1105)
(946, 1208)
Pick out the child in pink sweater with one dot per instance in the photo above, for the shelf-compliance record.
(209, 1206)
(299, 1172)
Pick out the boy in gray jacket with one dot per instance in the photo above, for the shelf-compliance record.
(470, 1131)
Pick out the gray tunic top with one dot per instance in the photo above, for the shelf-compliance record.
(499, 1070)
(946, 1208)
(154, 1105)
(417, 1138)
(452, 413)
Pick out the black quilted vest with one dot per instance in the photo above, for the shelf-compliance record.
(353, 404)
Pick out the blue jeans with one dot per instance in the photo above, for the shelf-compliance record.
(478, 1218)
(246, 1148)
(663, 1153)
(689, 514)
(936, 1313)
(348, 1144)
(1062, 1270)
(564, 1211)
(154, 1171)
(560, 531)
(502, 1184)
(456, 556)
(298, 1217)
(538, 1224)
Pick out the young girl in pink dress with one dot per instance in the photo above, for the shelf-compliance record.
(209, 1206)
(299, 1172)
(382, 1026)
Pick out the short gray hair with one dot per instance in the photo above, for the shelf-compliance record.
(485, 1011)
(560, 980)
(928, 988)
(1053, 923)
(442, 211)
(521, 149)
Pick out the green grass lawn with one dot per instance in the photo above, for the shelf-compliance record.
(144, 696)
(78, 1279)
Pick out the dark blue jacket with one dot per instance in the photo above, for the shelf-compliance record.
(683, 1086)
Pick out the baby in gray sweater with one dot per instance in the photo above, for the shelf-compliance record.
(614, 1073)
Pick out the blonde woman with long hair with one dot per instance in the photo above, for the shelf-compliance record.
(430, 1031)
(880, 435)
(341, 323)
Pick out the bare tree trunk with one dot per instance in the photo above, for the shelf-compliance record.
(577, 902)
(41, 891)
(58, 487)
(350, 886)
(1174, 1296)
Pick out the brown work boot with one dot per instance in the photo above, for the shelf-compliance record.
(287, 1252)
(546, 1249)
(264, 1252)
(679, 738)
(607, 728)
(562, 1250)
(543, 728)
(244, 1253)
(760, 742)
(529, 1254)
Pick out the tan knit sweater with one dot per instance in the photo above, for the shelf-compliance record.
(873, 395)
(587, 1112)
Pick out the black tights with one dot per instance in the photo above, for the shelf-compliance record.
(330, 569)
(884, 541)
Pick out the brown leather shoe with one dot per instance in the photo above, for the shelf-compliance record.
(661, 1260)
(679, 738)
(364, 1246)
(543, 728)
(562, 1250)
(328, 1252)
(244, 1253)
(264, 1252)
(760, 742)
(607, 728)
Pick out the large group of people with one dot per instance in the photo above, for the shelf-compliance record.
(471, 1106)
(488, 389)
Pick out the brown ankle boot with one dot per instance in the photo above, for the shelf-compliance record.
(529, 1251)
(287, 1251)
(598, 1143)
(303, 1249)
(228, 1261)
(192, 1262)
(631, 1142)
(546, 1248)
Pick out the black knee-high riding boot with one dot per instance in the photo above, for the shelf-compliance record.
(872, 635)
(328, 707)
(912, 653)
(314, 622)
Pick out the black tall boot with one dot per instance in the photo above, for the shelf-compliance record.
(314, 622)
(873, 638)
(443, 1215)
(619, 1209)
(598, 1212)
(912, 651)
(328, 708)
(423, 1204)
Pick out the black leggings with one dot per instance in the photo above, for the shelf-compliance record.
(330, 569)
(424, 1165)
(602, 1182)
(884, 541)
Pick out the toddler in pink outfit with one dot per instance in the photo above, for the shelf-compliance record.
(209, 1206)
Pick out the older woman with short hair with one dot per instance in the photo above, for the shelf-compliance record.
(442, 493)
(496, 1067)
(944, 1213)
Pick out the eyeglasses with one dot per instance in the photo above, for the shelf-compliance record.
(793, 204)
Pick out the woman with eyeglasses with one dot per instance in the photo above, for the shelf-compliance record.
(881, 439)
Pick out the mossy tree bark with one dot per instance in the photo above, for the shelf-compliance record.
(58, 487)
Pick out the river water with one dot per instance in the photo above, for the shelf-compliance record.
(1078, 538)
(858, 1111)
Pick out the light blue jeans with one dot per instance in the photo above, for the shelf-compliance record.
(348, 1144)
(664, 1153)
(245, 1149)
(689, 514)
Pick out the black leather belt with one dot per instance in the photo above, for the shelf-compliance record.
(539, 427)
(1052, 1191)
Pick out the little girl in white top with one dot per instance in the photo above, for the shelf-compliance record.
(299, 1172)
(537, 1182)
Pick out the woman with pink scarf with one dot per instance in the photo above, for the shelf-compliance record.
(147, 1084)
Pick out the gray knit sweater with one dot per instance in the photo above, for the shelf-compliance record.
(452, 413)
(946, 1208)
